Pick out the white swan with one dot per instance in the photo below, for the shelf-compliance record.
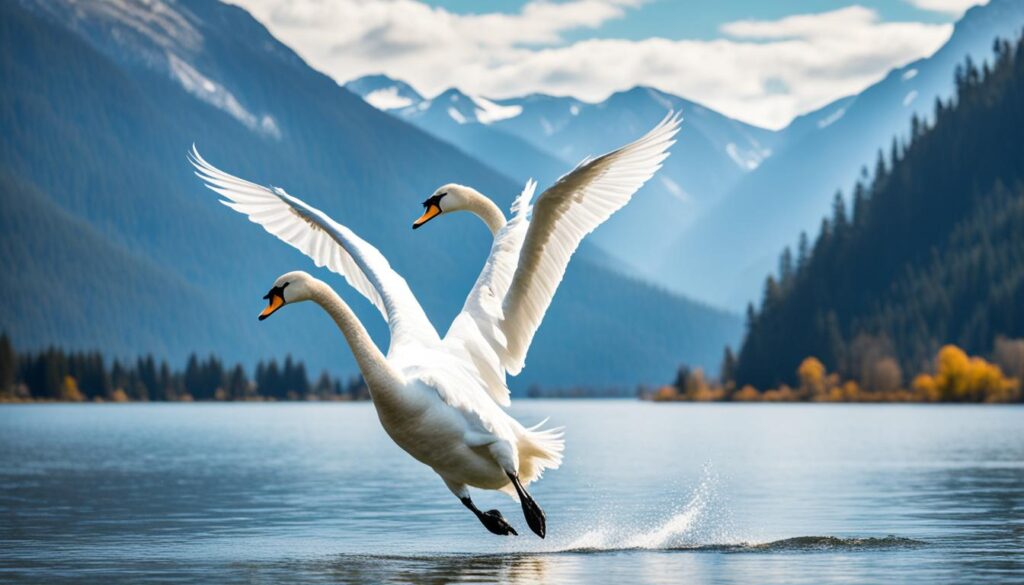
(439, 399)
(531, 251)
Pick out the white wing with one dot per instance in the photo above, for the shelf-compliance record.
(477, 327)
(329, 244)
(565, 213)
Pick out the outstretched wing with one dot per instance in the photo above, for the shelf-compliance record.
(562, 216)
(327, 243)
(477, 328)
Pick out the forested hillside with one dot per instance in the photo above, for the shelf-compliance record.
(931, 250)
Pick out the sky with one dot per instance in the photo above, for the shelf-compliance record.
(763, 62)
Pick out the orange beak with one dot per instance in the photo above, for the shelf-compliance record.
(431, 212)
(276, 302)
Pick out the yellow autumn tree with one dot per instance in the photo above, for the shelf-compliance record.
(811, 374)
(69, 390)
(666, 394)
(925, 388)
(962, 378)
(781, 394)
(747, 394)
(698, 389)
(849, 392)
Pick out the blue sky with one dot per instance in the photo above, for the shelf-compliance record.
(700, 19)
(762, 62)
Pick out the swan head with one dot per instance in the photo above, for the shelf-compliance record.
(292, 287)
(447, 198)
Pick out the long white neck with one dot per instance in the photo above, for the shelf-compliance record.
(485, 209)
(380, 376)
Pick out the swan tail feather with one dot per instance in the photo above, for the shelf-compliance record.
(539, 449)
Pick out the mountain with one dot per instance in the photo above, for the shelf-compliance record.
(100, 103)
(933, 252)
(544, 136)
(818, 154)
(468, 123)
(385, 93)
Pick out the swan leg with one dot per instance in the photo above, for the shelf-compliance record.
(506, 456)
(491, 519)
(534, 515)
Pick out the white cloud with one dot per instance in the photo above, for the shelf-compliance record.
(950, 7)
(765, 72)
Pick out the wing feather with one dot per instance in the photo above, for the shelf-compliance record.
(563, 215)
(329, 244)
(477, 327)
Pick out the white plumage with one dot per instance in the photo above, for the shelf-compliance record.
(440, 399)
(531, 252)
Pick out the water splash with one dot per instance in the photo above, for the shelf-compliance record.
(696, 519)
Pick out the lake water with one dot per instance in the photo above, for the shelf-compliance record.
(648, 493)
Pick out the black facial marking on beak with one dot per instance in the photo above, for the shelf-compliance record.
(276, 298)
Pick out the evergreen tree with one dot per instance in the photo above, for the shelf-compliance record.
(859, 203)
(193, 376)
(751, 317)
(165, 383)
(839, 220)
(238, 384)
(802, 251)
(880, 170)
(324, 387)
(785, 267)
(118, 378)
(8, 366)
(728, 373)
(148, 382)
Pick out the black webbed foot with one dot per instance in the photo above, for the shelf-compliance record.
(491, 519)
(496, 523)
(534, 515)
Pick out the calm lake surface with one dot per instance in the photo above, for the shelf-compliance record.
(679, 493)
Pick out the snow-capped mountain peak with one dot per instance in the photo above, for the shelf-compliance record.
(384, 93)
(387, 94)
(464, 108)
(166, 38)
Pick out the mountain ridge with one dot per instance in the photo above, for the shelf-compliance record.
(711, 153)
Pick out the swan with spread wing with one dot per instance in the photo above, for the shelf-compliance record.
(440, 399)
